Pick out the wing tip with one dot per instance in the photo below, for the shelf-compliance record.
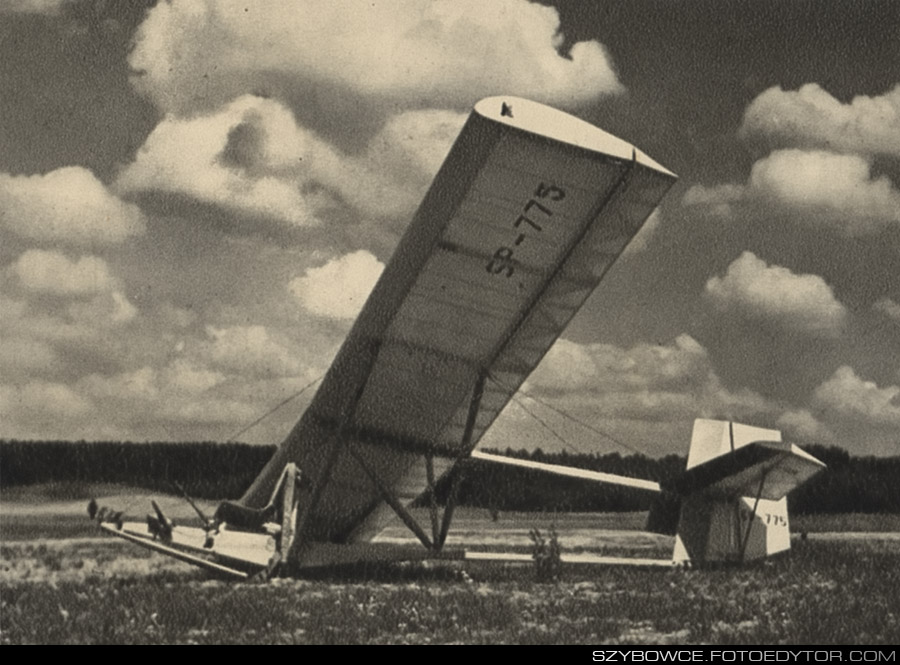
(557, 125)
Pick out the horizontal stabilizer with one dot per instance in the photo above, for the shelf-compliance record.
(768, 469)
(569, 471)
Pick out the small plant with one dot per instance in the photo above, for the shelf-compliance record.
(546, 554)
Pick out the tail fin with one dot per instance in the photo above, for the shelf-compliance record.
(734, 506)
(714, 438)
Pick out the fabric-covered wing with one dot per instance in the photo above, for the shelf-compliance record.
(527, 213)
(569, 471)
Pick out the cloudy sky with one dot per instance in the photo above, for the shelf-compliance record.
(196, 197)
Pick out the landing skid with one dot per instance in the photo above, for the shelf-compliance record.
(157, 546)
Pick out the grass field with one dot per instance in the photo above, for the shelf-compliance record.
(831, 589)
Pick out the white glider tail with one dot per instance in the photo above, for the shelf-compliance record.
(735, 493)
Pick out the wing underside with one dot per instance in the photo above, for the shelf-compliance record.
(523, 220)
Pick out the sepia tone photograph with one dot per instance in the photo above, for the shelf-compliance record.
(570, 322)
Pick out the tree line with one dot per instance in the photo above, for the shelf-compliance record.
(205, 470)
(225, 470)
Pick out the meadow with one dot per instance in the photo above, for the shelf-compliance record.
(832, 588)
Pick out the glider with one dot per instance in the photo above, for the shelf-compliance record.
(526, 215)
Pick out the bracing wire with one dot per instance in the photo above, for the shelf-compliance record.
(545, 425)
(268, 413)
(578, 421)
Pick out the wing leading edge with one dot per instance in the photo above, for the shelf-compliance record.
(524, 218)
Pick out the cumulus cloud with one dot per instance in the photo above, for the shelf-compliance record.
(245, 157)
(187, 377)
(54, 273)
(812, 118)
(648, 382)
(251, 158)
(339, 288)
(137, 385)
(391, 177)
(56, 339)
(801, 425)
(180, 394)
(111, 308)
(251, 350)
(889, 308)
(192, 397)
(853, 397)
(31, 6)
(837, 188)
(38, 400)
(200, 54)
(817, 187)
(25, 356)
(68, 205)
(719, 199)
(95, 300)
(796, 302)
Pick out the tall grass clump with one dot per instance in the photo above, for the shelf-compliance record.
(546, 554)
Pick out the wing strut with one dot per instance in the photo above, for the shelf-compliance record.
(432, 498)
(393, 502)
(440, 525)
(762, 482)
(474, 406)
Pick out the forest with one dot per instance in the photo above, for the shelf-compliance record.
(224, 470)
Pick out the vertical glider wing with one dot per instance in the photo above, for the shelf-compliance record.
(528, 212)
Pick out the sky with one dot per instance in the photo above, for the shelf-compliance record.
(196, 197)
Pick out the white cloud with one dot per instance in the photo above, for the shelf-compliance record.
(108, 309)
(801, 425)
(853, 397)
(210, 411)
(817, 188)
(339, 288)
(139, 385)
(250, 350)
(189, 377)
(252, 158)
(391, 177)
(645, 382)
(720, 199)
(68, 205)
(38, 400)
(31, 6)
(53, 273)
(567, 366)
(837, 189)
(811, 117)
(888, 307)
(799, 303)
(247, 157)
(19, 355)
(199, 54)
(84, 323)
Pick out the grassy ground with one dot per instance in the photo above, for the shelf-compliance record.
(825, 592)
(831, 589)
